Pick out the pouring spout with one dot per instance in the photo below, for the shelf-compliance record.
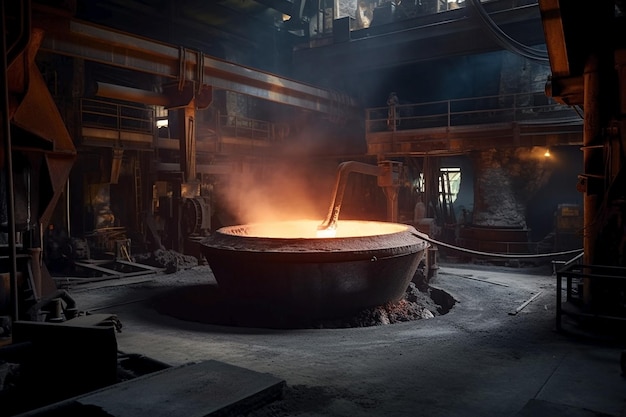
(343, 171)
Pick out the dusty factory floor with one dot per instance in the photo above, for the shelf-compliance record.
(495, 353)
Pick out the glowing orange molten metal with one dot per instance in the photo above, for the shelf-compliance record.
(307, 229)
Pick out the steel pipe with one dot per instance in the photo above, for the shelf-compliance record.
(343, 171)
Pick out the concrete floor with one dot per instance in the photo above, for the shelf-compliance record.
(477, 360)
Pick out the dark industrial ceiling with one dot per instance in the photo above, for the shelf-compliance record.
(234, 20)
(420, 54)
(244, 31)
(273, 35)
(227, 21)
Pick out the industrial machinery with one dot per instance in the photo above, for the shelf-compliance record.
(568, 227)
(589, 71)
(196, 216)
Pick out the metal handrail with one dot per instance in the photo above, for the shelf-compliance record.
(116, 116)
(590, 273)
(521, 107)
(105, 114)
(243, 127)
(533, 107)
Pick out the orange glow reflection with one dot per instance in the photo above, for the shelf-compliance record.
(329, 232)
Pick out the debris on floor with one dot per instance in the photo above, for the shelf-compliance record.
(415, 305)
(170, 260)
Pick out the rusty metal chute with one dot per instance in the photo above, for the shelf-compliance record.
(36, 114)
(34, 130)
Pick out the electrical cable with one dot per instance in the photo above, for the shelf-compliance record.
(505, 40)
(493, 255)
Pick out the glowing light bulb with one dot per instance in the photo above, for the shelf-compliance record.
(547, 154)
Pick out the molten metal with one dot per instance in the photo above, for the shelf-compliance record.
(308, 229)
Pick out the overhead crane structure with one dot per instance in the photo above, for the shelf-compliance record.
(190, 76)
(67, 36)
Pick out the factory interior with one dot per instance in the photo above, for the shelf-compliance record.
(313, 208)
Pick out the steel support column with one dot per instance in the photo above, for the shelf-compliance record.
(590, 132)
(187, 135)
(7, 165)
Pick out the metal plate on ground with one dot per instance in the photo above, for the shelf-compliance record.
(202, 389)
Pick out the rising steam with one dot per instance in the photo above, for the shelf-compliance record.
(275, 191)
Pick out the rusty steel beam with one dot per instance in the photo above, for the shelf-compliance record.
(107, 46)
(130, 94)
(566, 90)
(555, 37)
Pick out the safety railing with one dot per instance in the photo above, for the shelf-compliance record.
(559, 264)
(605, 283)
(243, 127)
(116, 116)
(533, 107)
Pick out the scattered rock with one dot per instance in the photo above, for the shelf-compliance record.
(415, 305)
(171, 261)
